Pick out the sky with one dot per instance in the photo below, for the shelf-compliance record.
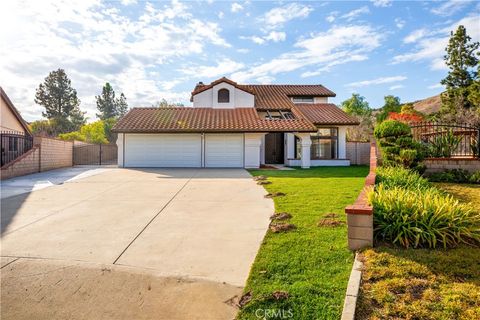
(151, 50)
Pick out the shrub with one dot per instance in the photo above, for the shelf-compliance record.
(75, 135)
(454, 175)
(475, 177)
(425, 218)
(391, 177)
(390, 128)
(397, 145)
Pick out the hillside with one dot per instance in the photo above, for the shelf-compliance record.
(428, 105)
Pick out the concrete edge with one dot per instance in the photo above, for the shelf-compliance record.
(353, 289)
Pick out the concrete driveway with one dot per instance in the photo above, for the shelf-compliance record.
(153, 243)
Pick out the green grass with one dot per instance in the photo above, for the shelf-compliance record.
(420, 283)
(311, 263)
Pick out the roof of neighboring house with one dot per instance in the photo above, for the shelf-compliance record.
(325, 113)
(186, 119)
(271, 96)
(14, 111)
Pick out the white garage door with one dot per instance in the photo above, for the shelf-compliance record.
(163, 150)
(224, 150)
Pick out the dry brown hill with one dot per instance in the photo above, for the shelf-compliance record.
(428, 105)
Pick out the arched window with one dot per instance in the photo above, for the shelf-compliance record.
(223, 96)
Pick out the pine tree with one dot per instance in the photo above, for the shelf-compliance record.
(121, 105)
(106, 103)
(60, 101)
(461, 59)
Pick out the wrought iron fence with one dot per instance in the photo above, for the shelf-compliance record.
(446, 140)
(95, 154)
(13, 145)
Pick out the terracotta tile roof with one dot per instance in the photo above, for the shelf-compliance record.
(186, 119)
(325, 113)
(272, 96)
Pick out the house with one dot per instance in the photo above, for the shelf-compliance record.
(10, 118)
(15, 135)
(235, 125)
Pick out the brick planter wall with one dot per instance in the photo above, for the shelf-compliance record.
(360, 214)
(442, 164)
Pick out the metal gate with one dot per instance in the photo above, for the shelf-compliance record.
(95, 154)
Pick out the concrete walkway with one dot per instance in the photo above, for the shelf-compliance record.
(187, 231)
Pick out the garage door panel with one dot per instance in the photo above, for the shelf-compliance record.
(224, 150)
(163, 150)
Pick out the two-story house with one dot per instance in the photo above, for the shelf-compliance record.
(240, 126)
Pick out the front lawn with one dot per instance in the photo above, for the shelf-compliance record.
(420, 283)
(311, 263)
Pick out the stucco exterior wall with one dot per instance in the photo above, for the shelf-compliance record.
(253, 143)
(320, 100)
(238, 98)
(8, 121)
(120, 149)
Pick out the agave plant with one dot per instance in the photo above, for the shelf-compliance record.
(444, 144)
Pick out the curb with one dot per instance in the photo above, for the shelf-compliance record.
(353, 288)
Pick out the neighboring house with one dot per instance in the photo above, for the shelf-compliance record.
(15, 136)
(233, 125)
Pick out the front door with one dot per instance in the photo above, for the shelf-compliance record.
(274, 148)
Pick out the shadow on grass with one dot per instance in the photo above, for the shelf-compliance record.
(315, 172)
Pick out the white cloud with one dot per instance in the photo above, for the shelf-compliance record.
(435, 86)
(128, 2)
(277, 17)
(450, 7)
(236, 7)
(276, 36)
(397, 86)
(382, 3)
(415, 36)
(356, 13)
(223, 67)
(332, 16)
(220, 15)
(338, 45)
(431, 47)
(400, 23)
(243, 50)
(94, 43)
(376, 81)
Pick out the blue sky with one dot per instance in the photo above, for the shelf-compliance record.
(159, 49)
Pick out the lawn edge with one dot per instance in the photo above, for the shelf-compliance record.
(353, 288)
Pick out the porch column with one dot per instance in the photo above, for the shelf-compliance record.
(253, 141)
(306, 143)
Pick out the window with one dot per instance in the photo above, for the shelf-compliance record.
(223, 96)
(325, 144)
(302, 99)
(276, 114)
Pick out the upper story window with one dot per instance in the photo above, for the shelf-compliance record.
(223, 96)
(303, 99)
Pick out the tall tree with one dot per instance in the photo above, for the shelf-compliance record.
(122, 106)
(392, 104)
(166, 104)
(358, 107)
(60, 101)
(108, 105)
(461, 58)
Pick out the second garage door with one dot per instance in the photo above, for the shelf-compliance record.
(224, 150)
